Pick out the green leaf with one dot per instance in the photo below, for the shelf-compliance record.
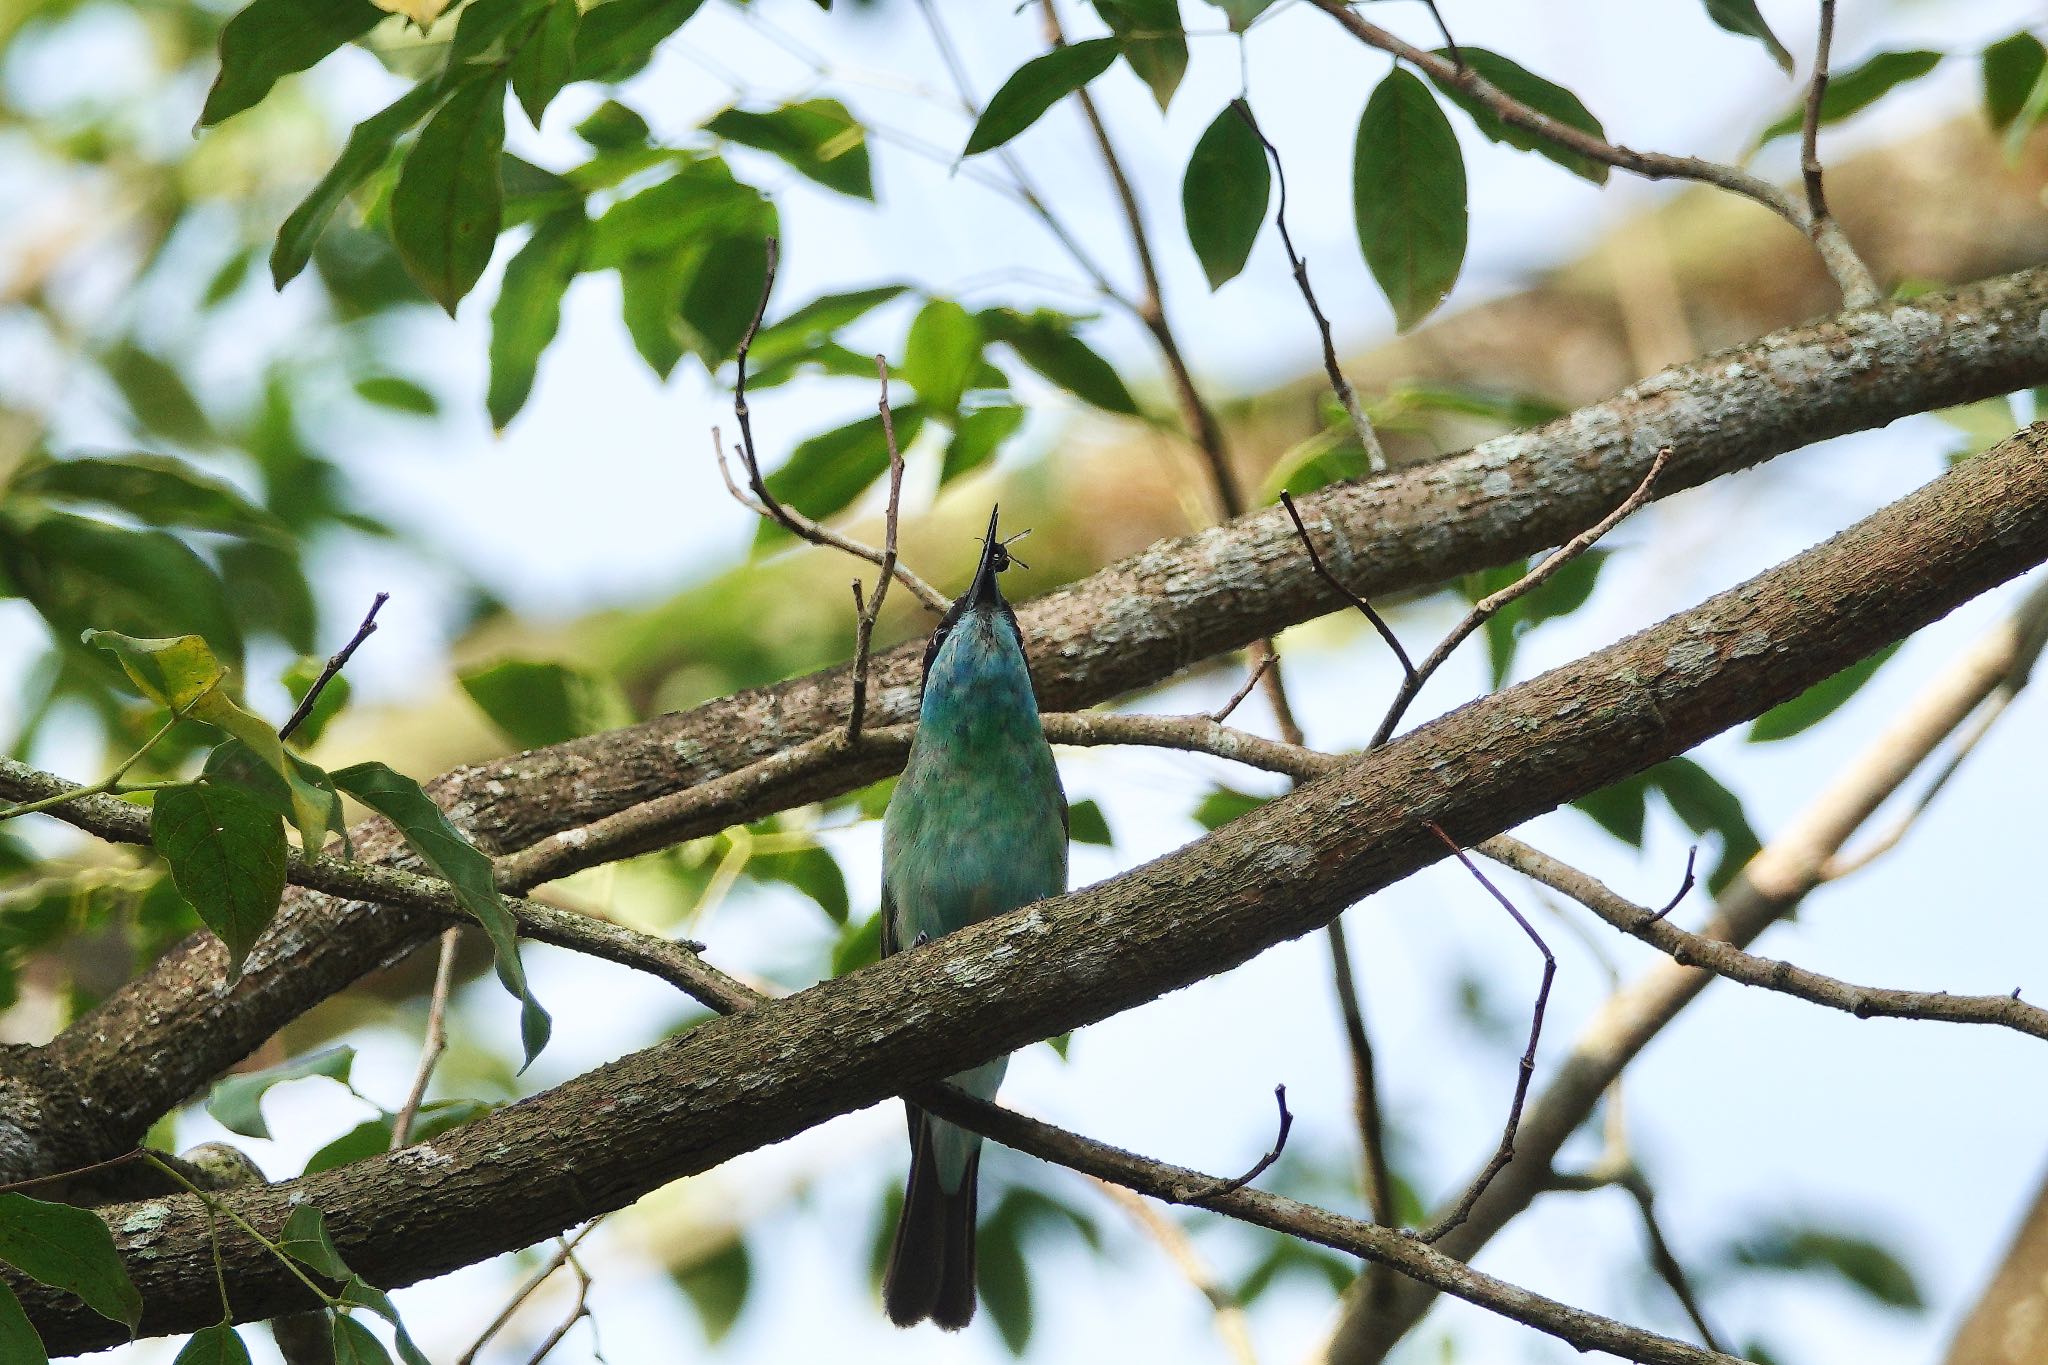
(825, 473)
(156, 489)
(616, 39)
(1817, 702)
(274, 38)
(157, 394)
(1851, 91)
(717, 1287)
(537, 703)
(398, 394)
(355, 1345)
(533, 193)
(1242, 13)
(612, 125)
(226, 850)
(859, 945)
(80, 573)
(299, 791)
(363, 1294)
(817, 322)
(18, 1340)
(1742, 17)
(811, 871)
(463, 866)
(544, 62)
(479, 30)
(70, 1249)
(237, 1102)
(941, 354)
(373, 1136)
(1035, 87)
(365, 153)
(1225, 193)
(1408, 196)
(1858, 1260)
(2011, 67)
(174, 673)
(1004, 1280)
(818, 139)
(1154, 45)
(1545, 97)
(1620, 809)
(1707, 807)
(1086, 825)
(215, 1345)
(529, 308)
(977, 435)
(1046, 341)
(305, 1240)
(1223, 805)
(449, 201)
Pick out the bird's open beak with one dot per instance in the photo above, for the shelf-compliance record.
(984, 592)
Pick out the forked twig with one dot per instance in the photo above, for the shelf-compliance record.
(864, 632)
(436, 1041)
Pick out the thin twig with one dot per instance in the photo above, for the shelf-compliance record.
(1251, 680)
(1411, 681)
(436, 1041)
(1450, 43)
(1486, 607)
(864, 632)
(1361, 425)
(1842, 864)
(1504, 1153)
(335, 664)
(527, 1290)
(1379, 1179)
(1809, 134)
(772, 252)
(1667, 1264)
(1257, 1168)
(578, 1311)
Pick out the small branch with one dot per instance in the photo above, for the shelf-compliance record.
(1842, 864)
(772, 252)
(1412, 683)
(578, 1311)
(1527, 583)
(436, 1040)
(1222, 713)
(1667, 1266)
(1504, 1153)
(527, 1290)
(864, 633)
(1361, 425)
(1809, 134)
(110, 785)
(1259, 1167)
(335, 664)
(1851, 275)
(1722, 958)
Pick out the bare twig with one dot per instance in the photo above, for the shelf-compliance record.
(1722, 958)
(1361, 425)
(1528, 582)
(1411, 682)
(1259, 1167)
(1851, 275)
(1222, 713)
(1504, 1153)
(533, 1282)
(436, 1041)
(1661, 1256)
(1379, 1179)
(335, 664)
(1809, 133)
(867, 614)
(1450, 43)
(578, 1311)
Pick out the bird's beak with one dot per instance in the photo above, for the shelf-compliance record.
(984, 592)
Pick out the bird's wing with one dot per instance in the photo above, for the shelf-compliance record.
(888, 913)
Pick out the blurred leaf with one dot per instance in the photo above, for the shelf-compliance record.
(827, 472)
(818, 139)
(1561, 594)
(305, 1240)
(364, 154)
(537, 703)
(70, 1249)
(811, 871)
(1620, 809)
(1545, 97)
(1086, 825)
(1225, 193)
(1288, 1258)
(449, 201)
(266, 588)
(354, 1344)
(215, 1345)
(816, 323)
(1857, 89)
(977, 435)
(940, 354)
(1707, 807)
(226, 851)
(544, 61)
(298, 680)
(615, 39)
(1154, 46)
(373, 1136)
(227, 281)
(274, 38)
(1046, 341)
(1408, 196)
(81, 573)
(463, 866)
(1742, 17)
(858, 945)
(2011, 67)
(529, 308)
(1241, 13)
(1860, 1261)
(717, 1287)
(533, 193)
(479, 30)
(1223, 805)
(156, 489)
(1817, 702)
(157, 394)
(237, 1102)
(398, 394)
(1004, 1280)
(18, 1340)
(1035, 87)
(612, 125)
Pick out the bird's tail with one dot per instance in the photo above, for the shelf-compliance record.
(931, 1262)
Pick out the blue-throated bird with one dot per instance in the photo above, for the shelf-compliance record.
(978, 826)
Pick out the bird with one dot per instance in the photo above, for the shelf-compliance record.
(977, 826)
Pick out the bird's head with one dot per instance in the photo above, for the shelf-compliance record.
(979, 628)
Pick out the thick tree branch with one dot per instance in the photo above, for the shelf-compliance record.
(165, 1034)
(759, 1076)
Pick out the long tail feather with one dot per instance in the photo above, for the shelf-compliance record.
(931, 1262)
